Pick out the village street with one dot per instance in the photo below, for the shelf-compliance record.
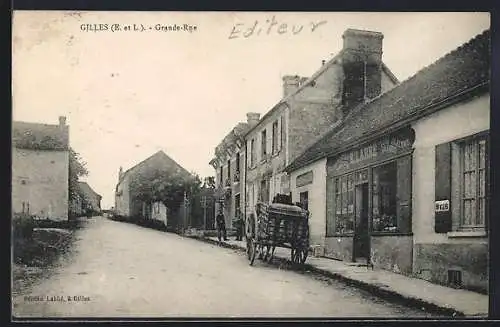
(123, 270)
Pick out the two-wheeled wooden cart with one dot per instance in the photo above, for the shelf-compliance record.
(278, 225)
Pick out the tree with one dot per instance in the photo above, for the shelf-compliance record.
(77, 169)
(164, 185)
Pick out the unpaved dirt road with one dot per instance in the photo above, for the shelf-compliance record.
(121, 270)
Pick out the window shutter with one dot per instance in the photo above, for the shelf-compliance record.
(442, 219)
(404, 185)
(278, 136)
(282, 132)
(330, 206)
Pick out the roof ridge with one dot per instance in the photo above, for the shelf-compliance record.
(463, 49)
(150, 157)
(445, 56)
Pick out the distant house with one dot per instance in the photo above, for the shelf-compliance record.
(229, 164)
(86, 201)
(92, 200)
(40, 167)
(127, 204)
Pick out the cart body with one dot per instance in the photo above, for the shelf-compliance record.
(278, 225)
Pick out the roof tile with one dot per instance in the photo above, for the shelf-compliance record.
(40, 136)
(464, 68)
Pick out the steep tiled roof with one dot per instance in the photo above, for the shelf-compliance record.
(40, 136)
(87, 190)
(464, 68)
(164, 157)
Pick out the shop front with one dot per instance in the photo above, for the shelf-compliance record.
(369, 202)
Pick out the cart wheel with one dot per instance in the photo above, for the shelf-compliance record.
(295, 256)
(260, 250)
(251, 250)
(267, 254)
(271, 256)
(302, 254)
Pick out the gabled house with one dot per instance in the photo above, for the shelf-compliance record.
(405, 175)
(229, 165)
(91, 198)
(40, 168)
(311, 106)
(127, 204)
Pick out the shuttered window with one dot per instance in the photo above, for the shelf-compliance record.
(253, 153)
(275, 138)
(461, 185)
(442, 213)
(263, 146)
(404, 207)
(473, 183)
(330, 207)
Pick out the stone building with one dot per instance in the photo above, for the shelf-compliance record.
(91, 198)
(309, 108)
(405, 175)
(85, 201)
(229, 165)
(127, 204)
(40, 168)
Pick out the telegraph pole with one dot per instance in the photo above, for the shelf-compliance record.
(204, 205)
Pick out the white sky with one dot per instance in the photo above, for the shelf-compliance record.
(127, 95)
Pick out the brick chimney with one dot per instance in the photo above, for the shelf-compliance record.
(290, 84)
(120, 173)
(362, 62)
(62, 120)
(253, 118)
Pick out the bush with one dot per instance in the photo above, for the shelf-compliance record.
(22, 226)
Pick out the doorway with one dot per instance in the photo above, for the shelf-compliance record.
(361, 249)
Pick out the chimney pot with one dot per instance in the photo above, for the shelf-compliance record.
(291, 83)
(253, 118)
(62, 120)
(323, 62)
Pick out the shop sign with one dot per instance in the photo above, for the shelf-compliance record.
(388, 145)
(304, 179)
(442, 206)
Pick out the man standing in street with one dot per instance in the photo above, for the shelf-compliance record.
(221, 226)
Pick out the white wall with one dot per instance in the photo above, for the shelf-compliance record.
(122, 206)
(317, 199)
(45, 188)
(159, 212)
(446, 125)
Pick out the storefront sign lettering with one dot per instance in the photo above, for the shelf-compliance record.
(442, 206)
(388, 145)
(363, 154)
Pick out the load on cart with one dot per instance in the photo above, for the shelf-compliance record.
(278, 225)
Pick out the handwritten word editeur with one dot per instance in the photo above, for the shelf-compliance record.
(271, 26)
